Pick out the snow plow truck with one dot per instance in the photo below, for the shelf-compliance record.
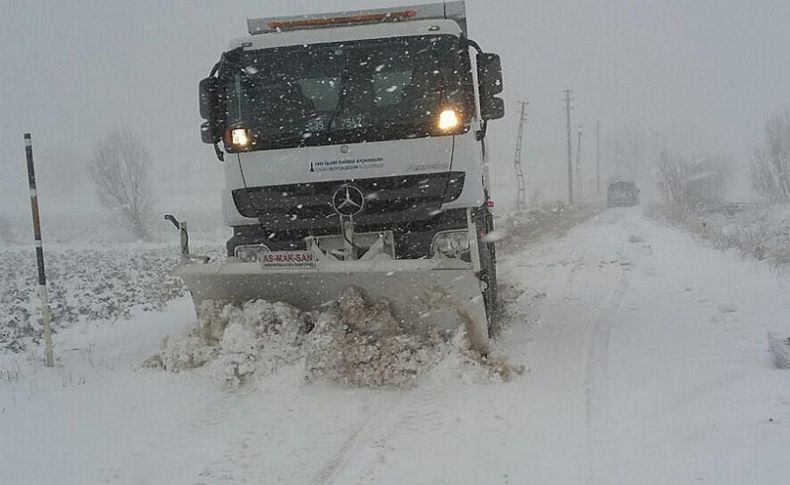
(355, 153)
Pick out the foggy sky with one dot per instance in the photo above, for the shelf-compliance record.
(695, 76)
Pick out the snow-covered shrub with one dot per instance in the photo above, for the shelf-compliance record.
(780, 350)
(770, 170)
(756, 231)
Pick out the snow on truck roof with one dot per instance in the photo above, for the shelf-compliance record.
(348, 34)
(446, 10)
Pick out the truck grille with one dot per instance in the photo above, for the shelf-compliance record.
(406, 197)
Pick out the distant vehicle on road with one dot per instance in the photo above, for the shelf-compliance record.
(622, 194)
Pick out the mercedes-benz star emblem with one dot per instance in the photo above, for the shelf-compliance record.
(348, 200)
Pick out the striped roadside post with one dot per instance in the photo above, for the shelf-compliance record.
(49, 358)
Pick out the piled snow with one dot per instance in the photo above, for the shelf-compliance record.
(234, 342)
(353, 342)
(471, 367)
(361, 344)
(517, 228)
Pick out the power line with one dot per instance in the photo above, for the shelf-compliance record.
(570, 145)
(579, 166)
(521, 197)
(598, 158)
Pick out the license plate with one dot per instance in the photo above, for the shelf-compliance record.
(287, 259)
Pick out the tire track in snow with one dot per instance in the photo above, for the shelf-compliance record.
(418, 412)
(360, 439)
(602, 458)
(421, 413)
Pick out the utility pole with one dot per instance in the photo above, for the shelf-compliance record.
(521, 197)
(598, 158)
(579, 166)
(570, 146)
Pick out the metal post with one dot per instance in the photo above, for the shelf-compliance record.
(184, 232)
(49, 358)
(570, 147)
(347, 228)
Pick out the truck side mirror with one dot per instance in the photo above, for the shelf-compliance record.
(489, 75)
(207, 133)
(494, 109)
(208, 97)
(211, 130)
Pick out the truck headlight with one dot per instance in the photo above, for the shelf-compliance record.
(249, 253)
(451, 243)
(448, 120)
(238, 138)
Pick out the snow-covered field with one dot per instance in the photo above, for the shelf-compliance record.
(648, 362)
(757, 231)
(100, 284)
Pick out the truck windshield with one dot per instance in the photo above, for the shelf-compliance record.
(370, 90)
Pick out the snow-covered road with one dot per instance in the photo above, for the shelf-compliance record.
(647, 357)
(650, 360)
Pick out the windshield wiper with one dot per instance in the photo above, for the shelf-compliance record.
(341, 96)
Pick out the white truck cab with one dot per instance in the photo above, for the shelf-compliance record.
(355, 155)
(375, 119)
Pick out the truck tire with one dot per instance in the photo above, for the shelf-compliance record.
(488, 270)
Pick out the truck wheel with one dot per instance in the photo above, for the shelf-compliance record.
(488, 301)
(488, 273)
(488, 277)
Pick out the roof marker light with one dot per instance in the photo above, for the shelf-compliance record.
(454, 10)
(346, 20)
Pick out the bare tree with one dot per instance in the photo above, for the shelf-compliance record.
(120, 170)
(770, 168)
(693, 181)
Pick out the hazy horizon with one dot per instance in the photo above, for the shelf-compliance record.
(696, 78)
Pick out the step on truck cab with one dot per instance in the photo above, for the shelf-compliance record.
(356, 134)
